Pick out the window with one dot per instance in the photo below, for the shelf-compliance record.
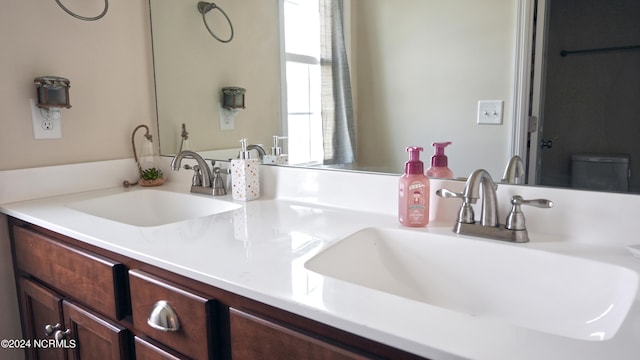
(302, 73)
(319, 119)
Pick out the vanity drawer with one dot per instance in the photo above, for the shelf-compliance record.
(81, 275)
(194, 335)
(145, 350)
(253, 337)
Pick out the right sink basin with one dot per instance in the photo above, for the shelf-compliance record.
(548, 292)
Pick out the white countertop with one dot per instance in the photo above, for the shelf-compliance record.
(259, 252)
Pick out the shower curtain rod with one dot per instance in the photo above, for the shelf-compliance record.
(564, 53)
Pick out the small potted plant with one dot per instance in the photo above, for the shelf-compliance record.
(151, 177)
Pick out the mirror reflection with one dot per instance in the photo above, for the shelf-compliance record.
(416, 78)
(418, 70)
(192, 68)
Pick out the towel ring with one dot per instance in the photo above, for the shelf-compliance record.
(204, 8)
(104, 12)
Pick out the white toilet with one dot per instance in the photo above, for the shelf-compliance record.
(600, 172)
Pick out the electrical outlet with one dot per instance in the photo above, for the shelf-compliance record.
(47, 124)
(490, 112)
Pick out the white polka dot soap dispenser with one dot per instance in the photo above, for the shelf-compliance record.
(276, 157)
(245, 176)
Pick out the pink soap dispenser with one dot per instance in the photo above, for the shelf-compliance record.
(413, 191)
(439, 162)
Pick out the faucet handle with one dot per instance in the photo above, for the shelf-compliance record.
(515, 219)
(196, 180)
(541, 203)
(218, 184)
(466, 214)
(446, 193)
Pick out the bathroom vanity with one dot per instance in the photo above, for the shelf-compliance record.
(104, 300)
(287, 275)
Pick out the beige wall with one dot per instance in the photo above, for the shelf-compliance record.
(108, 64)
(440, 58)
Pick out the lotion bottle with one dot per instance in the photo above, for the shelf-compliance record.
(413, 191)
(245, 176)
(439, 162)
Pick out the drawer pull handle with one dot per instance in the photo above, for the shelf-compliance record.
(61, 335)
(50, 329)
(163, 317)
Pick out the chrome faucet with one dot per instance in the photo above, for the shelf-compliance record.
(514, 172)
(477, 180)
(202, 178)
(489, 227)
(258, 148)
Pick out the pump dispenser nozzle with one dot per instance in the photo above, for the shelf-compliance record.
(244, 153)
(276, 149)
(439, 162)
(414, 165)
(439, 158)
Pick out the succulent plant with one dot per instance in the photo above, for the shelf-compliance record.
(152, 174)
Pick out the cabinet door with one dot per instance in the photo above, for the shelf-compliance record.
(91, 337)
(256, 338)
(41, 317)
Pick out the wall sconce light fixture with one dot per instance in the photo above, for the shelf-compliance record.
(233, 98)
(52, 92)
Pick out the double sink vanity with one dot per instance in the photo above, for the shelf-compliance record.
(313, 270)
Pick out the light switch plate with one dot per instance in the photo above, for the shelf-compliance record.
(490, 112)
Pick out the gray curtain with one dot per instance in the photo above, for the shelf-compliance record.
(337, 104)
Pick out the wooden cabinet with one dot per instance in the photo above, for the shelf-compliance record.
(41, 317)
(56, 327)
(102, 301)
(54, 315)
(89, 336)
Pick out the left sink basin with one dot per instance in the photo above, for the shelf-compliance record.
(150, 207)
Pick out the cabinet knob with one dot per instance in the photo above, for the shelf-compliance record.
(61, 335)
(50, 329)
(163, 317)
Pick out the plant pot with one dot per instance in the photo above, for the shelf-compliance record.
(154, 182)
